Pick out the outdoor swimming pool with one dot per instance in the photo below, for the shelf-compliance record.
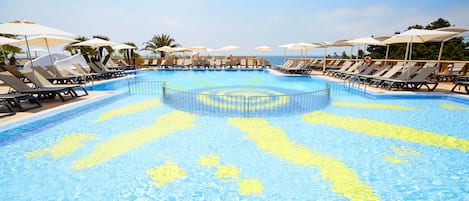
(133, 147)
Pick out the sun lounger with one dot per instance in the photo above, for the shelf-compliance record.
(416, 82)
(88, 76)
(146, 62)
(452, 72)
(346, 65)
(21, 87)
(362, 78)
(352, 68)
(97, 68)
(15, 100)
(118, 73)
(389, 74)
(14, 71)
(42, 82)
(368, 69)
(7, 106)
(460, 84)
(405, 75)
(71, 79)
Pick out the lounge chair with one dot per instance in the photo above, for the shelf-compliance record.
(405, 75)
(42, 82)
(460, 84)
(416, 82)
(56, 77)
(388, 75)
(353, 67)
(365, 77)
(15, 99)
(346, 65)
(452, 72)
(366, 71)
(103, 71)
(21, 87)
(71, 79)
(82, 71)
(146, 62)
(10, 110)
(154, 62)
(118, 73)
(14, 71)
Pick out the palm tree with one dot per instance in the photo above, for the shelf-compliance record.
(100, 49)
(129, 54)
(13, 50)
(160, 41)
(7, 49)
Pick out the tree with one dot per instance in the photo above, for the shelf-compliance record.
(159, 41)
(102, 48)
(344, 55)
(454, 49)
(7, 49)
(439, 23)
(129, 55)
(85, 50)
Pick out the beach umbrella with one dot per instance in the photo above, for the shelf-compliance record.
(47, 41)
(326, 45)
(96, 42)
(383, 38)
(199, 48)
(365, 41)
(228, 48)
(123, 47)
(126, 48)
(285, 47)
(36, 50)
(263, 49)
(443, 40)
(418, 36)
(304, 47)
(5, 41)
(25, 28)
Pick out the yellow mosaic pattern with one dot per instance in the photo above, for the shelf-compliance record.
(65, 146)
(165, 174)
(453, 107)
(227, 102)
(129, 109)
(121, 144)
(274, 141)
(382, 129)
(231, 174)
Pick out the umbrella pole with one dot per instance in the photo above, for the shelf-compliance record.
(29, 54)
(284, 54)
(440, 53)
(386, 57)
(29, 51)
(324, 62)
(48, 51)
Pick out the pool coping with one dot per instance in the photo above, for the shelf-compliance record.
(45, 114)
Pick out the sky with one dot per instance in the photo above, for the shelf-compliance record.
(247, 24)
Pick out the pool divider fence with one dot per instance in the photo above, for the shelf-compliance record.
(240, 105)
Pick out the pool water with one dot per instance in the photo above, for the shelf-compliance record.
(136, 148)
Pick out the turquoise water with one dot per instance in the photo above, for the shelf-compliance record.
(391, 168)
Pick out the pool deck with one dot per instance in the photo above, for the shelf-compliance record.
(443, 88)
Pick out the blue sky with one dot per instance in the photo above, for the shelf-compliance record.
(247, 24)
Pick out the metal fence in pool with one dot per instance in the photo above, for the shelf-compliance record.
(234, 105)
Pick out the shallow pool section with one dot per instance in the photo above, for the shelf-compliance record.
(136, 148)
